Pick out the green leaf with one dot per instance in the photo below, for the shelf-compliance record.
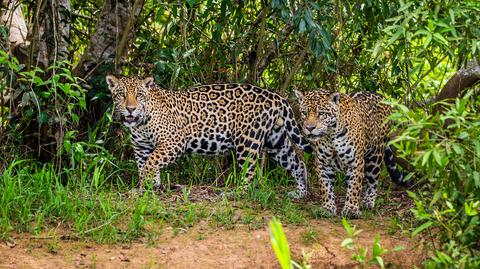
(380, 261)
(422, 227)
(390, 28)
(458, 150)
(42, 117)
(347, 227)
(347, 243)
(471, 208)
(421, 32)
(394, 19)
(398, 248)
(405, 7)
(395, 36)
(463, 135)
(191, 3)
(426, 157)
(377, 50)
(444, 257)
(188, 52)
(452, 15)
(428, 40)
(279, 243)
(476, 178)
(438, 37)
(442, 24)
(377, 249)
(301, 26)
(412, 195)
(437, 157)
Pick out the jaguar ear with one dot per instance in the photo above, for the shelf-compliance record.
(335, 98)
(112, 82)
(299, 96)
(149, 82)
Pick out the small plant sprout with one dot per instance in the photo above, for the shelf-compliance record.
(281, 248)
(360, 252)
(310, 236)
(186, 195)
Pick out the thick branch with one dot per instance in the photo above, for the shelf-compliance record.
(126, 33)
(294, 70)
(258, 62)
(272, 50)
(253, 56)
(455, 87)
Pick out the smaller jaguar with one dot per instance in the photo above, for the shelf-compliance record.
(208, 119)
(348, 133)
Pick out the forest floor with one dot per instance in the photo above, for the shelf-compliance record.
(242, 244)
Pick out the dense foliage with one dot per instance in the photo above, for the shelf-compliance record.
(448, 158)
(56, 127)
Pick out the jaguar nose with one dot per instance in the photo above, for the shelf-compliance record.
(130, 109)
(309, 127)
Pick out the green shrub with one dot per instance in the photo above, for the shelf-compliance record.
(445, 151)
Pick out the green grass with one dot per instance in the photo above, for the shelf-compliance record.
(92, 200)
(310, 236)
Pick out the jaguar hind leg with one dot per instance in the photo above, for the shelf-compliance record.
(247, 152)
(373, 162)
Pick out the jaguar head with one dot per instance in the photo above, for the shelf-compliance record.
(129, 96)
(320, 112)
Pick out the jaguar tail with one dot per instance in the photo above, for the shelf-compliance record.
(392, 169)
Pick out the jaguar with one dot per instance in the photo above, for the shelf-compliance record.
(349, 134)
(208, 119)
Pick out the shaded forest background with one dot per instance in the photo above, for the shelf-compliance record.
(392, 48)
(55, 107)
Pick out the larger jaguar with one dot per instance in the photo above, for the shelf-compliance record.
(208, 119)
(348, 133)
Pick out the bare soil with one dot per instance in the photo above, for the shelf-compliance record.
(207, 247)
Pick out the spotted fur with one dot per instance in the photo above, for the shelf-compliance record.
(209, 119)
(349, 134)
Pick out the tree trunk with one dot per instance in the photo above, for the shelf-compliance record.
(113, 30)
(15, 23)
(12, 16)
(50, 33)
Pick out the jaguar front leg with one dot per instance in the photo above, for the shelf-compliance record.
(163, 155)
(326, 175)
(354, 178)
